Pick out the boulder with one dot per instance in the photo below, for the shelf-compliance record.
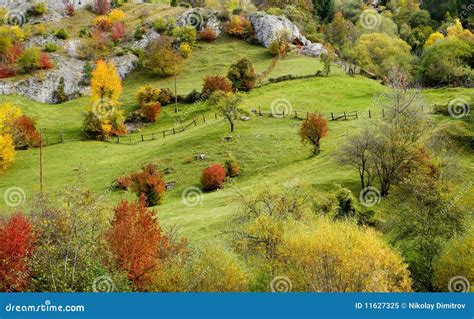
(125, 64)
(314, 50)
(267, 26)
(148, 38)
(200, 19)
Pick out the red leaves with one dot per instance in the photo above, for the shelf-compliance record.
(135, 239)
(25, 133)
(118, 31)
(6, 71)
(216, 83)
(150, 184)
(213, 177)
(45, 62)
(313, 129)
(16, 245)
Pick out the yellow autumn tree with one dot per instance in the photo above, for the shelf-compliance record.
(433, 38)
(7, 151)
(105, 83)
(104, 118)
(457, 31)
(8, 114)
(329, 256)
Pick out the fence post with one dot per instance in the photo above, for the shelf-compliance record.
(296, 115)
(195, 124)
(174, 131)
(332, 116)
(283, 113)
(383, 112)
(357, 116)
(143, 138)
(118, 139)
(164, 134)
(153, 136)
(129, 139)
(345, 116)
(370, 115)
(260, 111)
(215, 114)
(62, 138)
(204, 118)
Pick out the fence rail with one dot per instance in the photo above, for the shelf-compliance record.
(130, 139)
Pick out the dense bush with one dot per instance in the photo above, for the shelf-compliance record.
(242, 75)
(232, 167)
(50, 47)
(16, 246)
(62, 34)
(25, 134)
(38, 9)
(7, 151)
(30, 60)
(161, 59)
(147, 94)
(45, 62)
(207, 35)
(215, 83)
(185, 50)
(150, 184)
(102, 6)
(185, 35)
(239, 26)
(164, 25)
(213, 177)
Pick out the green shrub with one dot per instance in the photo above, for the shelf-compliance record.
(242, 75)
(185, 34)
(232, 167)
(30, 60)
(38, 9)
(50, 47)
(62, 34)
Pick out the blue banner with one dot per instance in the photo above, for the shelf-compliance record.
(236, 305)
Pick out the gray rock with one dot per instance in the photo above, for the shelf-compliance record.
(125, 64)
(200, 157)
(148, 38)
(267, 26)
(200, 19)
(314, 50)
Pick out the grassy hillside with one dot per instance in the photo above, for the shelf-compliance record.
(268, 149)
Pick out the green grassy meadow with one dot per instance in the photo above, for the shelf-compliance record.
(268, 149)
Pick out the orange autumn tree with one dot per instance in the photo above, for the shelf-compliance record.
(313, 129)
(104, 117)
(136, 240)
(16, 245)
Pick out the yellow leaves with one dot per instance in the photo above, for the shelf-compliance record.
(105, 83)
(433, 38)
(7, 151)
(116, 15)
(185, 50)
(102, 20)
(457, 31)
(339, 256)
(8, 114)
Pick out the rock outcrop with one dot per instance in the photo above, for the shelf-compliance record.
(200, 19)
(267, 26)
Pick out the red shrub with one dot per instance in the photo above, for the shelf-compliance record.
(213, 177)
(135, 239)
(102, 7)
(149, 183)
(216, 83)
(16, 245)
(118, 31)
(12, 53)
(45, 62)
(207, 35)
(25, 134)
(70, 10)
(123, 182)
(6, 71)
(151, 111)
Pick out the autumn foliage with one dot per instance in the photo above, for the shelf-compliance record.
(216, 83)
(25, 134)
(135, 239)
(16, 245)
(313, 129)
(213, 177)
(207, 35)
(150, 184)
